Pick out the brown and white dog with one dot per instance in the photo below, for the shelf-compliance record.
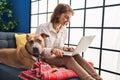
(23, 57)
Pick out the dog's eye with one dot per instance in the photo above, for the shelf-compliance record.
(39, 41)
(31, 42)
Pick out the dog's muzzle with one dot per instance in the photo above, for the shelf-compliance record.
(36, 52)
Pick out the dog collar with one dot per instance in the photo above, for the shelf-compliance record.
(28, 50)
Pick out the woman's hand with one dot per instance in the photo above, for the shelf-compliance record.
(57, 52)
(65, 48)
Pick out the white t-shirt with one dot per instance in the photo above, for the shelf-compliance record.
(55, 39)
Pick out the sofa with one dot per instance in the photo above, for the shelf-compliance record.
(7, 40)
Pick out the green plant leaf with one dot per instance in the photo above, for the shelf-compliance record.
(6, 21)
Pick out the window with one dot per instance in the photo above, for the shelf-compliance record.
(92, 17)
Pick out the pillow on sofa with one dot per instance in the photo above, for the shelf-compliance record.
(20, 40)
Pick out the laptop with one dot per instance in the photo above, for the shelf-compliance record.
(82, 46)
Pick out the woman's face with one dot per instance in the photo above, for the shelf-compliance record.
(64, 18)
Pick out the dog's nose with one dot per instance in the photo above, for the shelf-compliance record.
(35, 50)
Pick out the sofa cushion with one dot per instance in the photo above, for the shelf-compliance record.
(7, 40)
(9, 73)
(20, 40)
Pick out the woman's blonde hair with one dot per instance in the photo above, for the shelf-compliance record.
(60, 8)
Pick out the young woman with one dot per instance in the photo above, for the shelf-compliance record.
(55, 48)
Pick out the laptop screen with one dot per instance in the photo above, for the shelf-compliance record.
(84, 43)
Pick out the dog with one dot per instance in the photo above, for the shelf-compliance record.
(25, 56)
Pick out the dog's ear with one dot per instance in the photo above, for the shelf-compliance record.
(27, 36)
(44, 35)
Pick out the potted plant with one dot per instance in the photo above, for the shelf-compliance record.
(7, 22)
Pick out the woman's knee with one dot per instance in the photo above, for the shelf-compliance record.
(77, 57)
(68, 59)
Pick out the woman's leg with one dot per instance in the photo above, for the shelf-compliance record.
(70, 63)
(81, 61)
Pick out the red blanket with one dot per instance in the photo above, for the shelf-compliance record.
(47, 73)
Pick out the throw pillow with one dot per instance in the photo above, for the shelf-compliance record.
(20, 40)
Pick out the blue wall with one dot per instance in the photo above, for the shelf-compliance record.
(21, 11)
